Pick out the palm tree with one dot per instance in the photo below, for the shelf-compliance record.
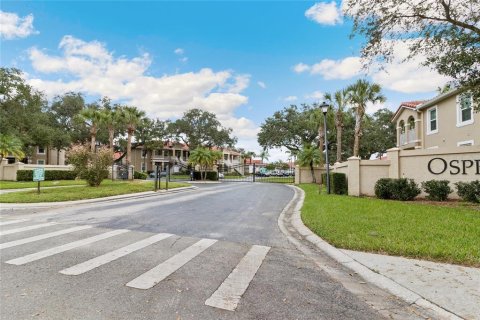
(339, 101)
(111, 118)
(359, 94)
(131, 117)
(10, 145)
(264, 155)
(248, 155)
(202, 157)
(310, 156)
(316, 117)
(93, 117)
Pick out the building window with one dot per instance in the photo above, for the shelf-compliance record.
(402, 126)
(464, 109)
(144, 154)
(41, 162)
(432, 120)
(40, 150)
(465, 143)
(143, 167)
(225, 156)
(411, 123)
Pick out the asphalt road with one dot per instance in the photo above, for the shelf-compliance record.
(242, 217)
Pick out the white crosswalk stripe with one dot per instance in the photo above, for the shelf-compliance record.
(41, 237)
(231, 290)
(227, 296)
(36, 226)
(4, 223)
(163, 270)
(114, 255)
(65, 247)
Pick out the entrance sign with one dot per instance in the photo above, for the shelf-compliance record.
(455, 166)
(39, 174)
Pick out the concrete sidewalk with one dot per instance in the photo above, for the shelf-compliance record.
(452, 287)
(449, 291)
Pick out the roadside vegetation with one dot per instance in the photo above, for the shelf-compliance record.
(106, 189)
(443, 233)
(4, 185)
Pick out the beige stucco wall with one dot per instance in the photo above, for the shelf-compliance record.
(370, 172)
(52, 157)
(414, 164)
(304, 174)
(448, 133)
(8, 172)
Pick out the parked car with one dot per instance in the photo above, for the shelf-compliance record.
(162, 174)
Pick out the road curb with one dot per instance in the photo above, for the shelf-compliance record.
(381, 281)
(138, 195)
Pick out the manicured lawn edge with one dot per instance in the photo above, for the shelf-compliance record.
(447, 234)
(5, 185)
(106, 189)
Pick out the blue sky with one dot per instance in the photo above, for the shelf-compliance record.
(242, 60)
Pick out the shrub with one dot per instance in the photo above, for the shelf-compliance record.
(397, 189)
(383, 188)
(27, 175)
(90, 166)
(437, 190)
(211, 175)
(469, 191)
(139, 175)
(338, 182)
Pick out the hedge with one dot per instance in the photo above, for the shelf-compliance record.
(338, 182)
(140, 175)
(469, 191)
(437, 190)
(396, 189)
(27, 175)
(211, 175)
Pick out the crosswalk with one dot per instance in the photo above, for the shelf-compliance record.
(227, 295)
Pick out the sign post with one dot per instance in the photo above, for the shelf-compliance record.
(38, 175)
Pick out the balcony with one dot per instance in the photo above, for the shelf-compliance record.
(408, 139)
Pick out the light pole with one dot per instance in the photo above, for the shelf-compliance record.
(324, 106)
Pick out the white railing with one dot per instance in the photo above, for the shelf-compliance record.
(412, 136)
(403, 139)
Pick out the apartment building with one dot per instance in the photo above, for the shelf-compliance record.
(448, 120)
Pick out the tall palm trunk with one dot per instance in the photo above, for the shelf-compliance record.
(93, 137)
(339, 142)
(321, 140)
(358, 131)
(339, 128)
(111, 133)
(312, 171)
(129, 146)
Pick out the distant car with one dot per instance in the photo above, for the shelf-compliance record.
(162, 174)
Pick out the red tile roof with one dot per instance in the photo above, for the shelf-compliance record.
(412, 105)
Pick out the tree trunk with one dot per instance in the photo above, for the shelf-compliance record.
(321, 141)
(339, 142)
(358, 132)
(58, 157)
(314, 180)
(110, 137)
(129, 147)
(93, 137)
(47, 151)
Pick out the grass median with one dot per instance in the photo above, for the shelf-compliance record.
(439, 233)
(106, 189)
(4, 185)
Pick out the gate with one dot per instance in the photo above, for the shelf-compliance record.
(254, 173)
(122, 172)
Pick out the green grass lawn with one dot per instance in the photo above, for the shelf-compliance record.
(427, 231)
(30, 184)
(106, 189)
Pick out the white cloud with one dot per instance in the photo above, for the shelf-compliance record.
(262, 84)
(301, 67)
(183, 59)
(179, 51)
(90, 68)
(407, 76)
(12, 26)
(291, 98)
(371, 108)
(316, 95)
(333, 69)
(325, 13)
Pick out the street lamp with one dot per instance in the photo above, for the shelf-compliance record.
(324, 106)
